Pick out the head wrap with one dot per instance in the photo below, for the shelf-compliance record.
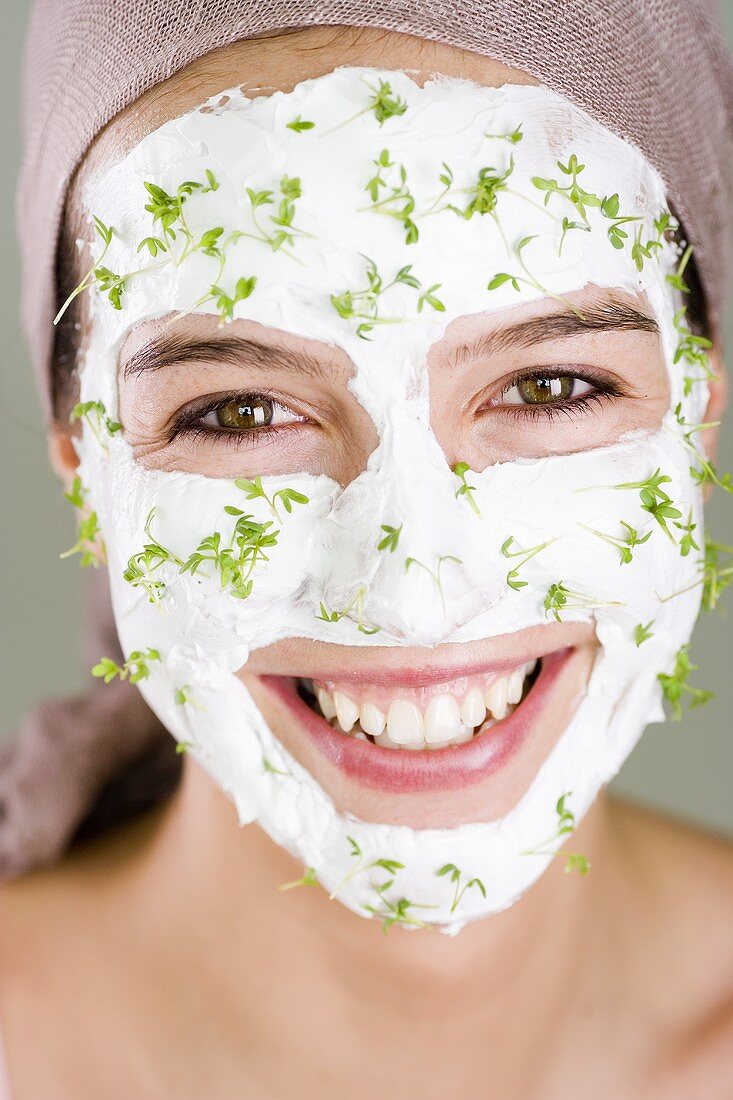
(656, 72)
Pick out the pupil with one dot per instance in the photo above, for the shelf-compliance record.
(545, 390)
(245, 413)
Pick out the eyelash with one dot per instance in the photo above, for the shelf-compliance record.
(185, 425)
(572, 409)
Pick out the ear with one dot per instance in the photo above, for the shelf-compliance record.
(65, 462)
(62, 454)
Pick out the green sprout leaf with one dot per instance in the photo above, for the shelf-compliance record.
(513, 136)
(397, 202)
(184, 697)
(89, 544)
(577, 862)
(528, 278)
(500, 279)
(354, 611)
(565, 825)
(428, 297)
(626, 544)
(653, 498)
(154, 245)
(560, 598)
(359, 867)
(94, 414)
(704, 471)
(299, 125)
(270, 768)
(76, 494)
(309, 878)
(142, 566)
(96, 273)
(512, 578)
(572, 190)
(225, 303)
(643, 632)
(687, 543)
(483, 195)
(391, 538)
(434, 574)
(454, 877)
(677, 688)
(283, 235)
(364, 305)
(235, 562)
(254, 490)
(134, 669)
(717, 567)
(396, 912)
(384, 104)
(460, 469)
(692, 348)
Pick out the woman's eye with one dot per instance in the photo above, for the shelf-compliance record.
(545, 389)
(247, 412)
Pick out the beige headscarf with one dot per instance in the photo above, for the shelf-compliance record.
(654, 71)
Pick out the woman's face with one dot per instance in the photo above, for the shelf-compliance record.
(377, 505)
(251, 400)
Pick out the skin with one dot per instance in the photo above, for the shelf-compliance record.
(171, 932)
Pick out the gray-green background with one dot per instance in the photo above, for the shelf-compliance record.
(684, 768)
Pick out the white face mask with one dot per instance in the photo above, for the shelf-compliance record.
(325, 577)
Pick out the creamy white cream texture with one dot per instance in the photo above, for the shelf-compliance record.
(327, 549)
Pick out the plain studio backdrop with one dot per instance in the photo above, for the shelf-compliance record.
(685, 768)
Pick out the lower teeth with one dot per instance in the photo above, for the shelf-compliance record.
(383, 741)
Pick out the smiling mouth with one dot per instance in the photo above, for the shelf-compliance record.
(400, 737)
(427, 718)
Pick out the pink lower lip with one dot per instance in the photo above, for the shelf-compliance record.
(399, 771)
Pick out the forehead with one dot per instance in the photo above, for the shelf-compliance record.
(447, 187)
(277, 63)
(254, 219)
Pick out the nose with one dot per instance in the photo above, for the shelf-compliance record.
(408, 543)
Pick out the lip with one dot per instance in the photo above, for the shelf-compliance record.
(397, 771)
(416, 678)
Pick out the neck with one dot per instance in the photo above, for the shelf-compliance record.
(256, 949)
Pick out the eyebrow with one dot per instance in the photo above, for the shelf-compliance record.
(172, 350)
(599, 317)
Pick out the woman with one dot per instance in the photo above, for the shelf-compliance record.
(396, 462)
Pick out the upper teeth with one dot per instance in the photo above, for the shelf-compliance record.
(445, 720)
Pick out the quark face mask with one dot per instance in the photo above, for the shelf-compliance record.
(369, 217)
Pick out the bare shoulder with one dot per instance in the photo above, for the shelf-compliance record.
(691, 863)
(688, 875)
(57, 913)
(687, 871)
(60, 934)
